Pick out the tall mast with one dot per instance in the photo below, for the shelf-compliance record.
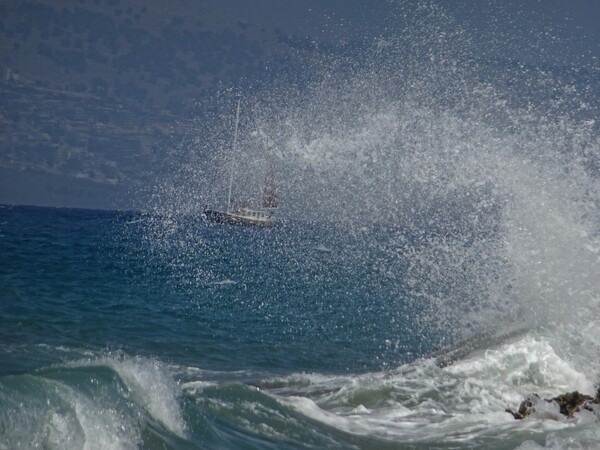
(235, 134)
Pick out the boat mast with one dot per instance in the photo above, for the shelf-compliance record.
(235, 134)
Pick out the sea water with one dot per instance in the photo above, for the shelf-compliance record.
(436, 261)
(301, 336)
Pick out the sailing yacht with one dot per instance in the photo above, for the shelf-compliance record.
(244, 215)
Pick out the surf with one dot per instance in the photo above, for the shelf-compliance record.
(104, 401)
(436, 263)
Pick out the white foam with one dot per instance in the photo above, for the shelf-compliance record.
(422, 402)
(556, 442)
(105, 428)
(529, 445)
(529, 364)
(196, 387)
(150, 384)
(224, 282)
(322, 248)
(63, 432)
(87, 423)
(360, 409)
(154, 388)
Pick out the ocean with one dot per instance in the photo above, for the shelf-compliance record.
(302, 336)
(436, 260)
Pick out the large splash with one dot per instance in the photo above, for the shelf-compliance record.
(110, 401)
(483, 172)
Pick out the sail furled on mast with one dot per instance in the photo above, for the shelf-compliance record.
(233, 150)
(244, 213)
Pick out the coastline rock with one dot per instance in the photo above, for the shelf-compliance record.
(566, 404)
(525, 408)
(572, 402)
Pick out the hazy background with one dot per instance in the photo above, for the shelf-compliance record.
(95, 93)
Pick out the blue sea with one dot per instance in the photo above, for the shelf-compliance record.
(307, 335)
(435, 262)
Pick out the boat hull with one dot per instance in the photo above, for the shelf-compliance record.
(213, 216)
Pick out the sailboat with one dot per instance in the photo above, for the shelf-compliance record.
(244, 215)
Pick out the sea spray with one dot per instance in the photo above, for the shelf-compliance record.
(492, 172)
(108, 401)
(431, 194)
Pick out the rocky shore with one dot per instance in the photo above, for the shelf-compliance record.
(563, 405)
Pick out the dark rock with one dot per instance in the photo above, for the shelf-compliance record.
(569, 403)
(526, 407)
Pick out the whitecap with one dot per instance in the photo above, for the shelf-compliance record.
(224, 282)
